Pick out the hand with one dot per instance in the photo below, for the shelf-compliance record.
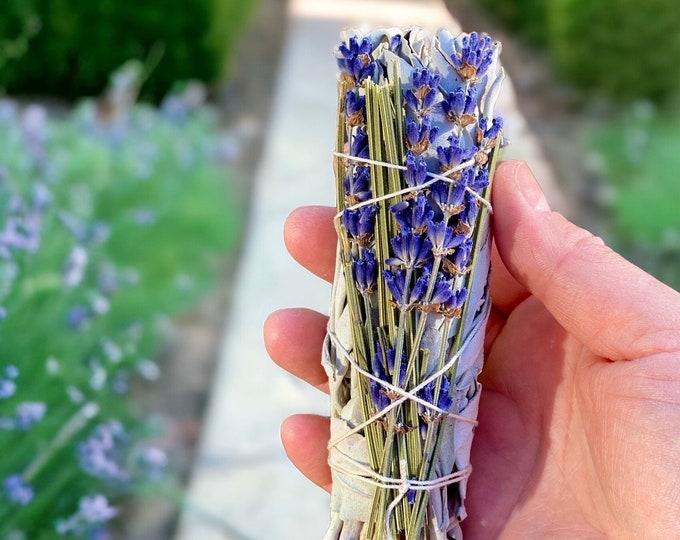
(579, 421)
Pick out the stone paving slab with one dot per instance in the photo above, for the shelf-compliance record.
(243, 486)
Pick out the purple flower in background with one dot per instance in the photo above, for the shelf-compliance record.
(154, 461)
(96, 509)
(7, 384)
(74, 270)
(97, 455)
(17, 490)
(78, 316)
(92, 512)
(28, 413)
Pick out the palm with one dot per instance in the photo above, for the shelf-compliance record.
(567, 440)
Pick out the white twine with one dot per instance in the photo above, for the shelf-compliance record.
(444, 177)
(404, 394)
(366, 474)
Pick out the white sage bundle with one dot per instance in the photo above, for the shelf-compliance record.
(417, 142)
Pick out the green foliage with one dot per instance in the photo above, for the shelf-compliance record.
(145, 197)
(640, 155)
(527, 17)
(80, 42)
(625, 49)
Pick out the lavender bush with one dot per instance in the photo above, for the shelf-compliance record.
(112, 220)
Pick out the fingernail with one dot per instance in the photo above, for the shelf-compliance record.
(528, 185)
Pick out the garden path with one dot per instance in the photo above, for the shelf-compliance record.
(242, 485)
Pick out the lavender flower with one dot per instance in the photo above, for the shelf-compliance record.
(76, 264)
(414, 214)
(28, 413)
(359, 224)
(354, 60)
(17, 490)
(475, 57)
(410, 250)
(416, 170)
(411, 266)
(355, 108)
(423, 93)
(97, 455)
(420, 134)
(92, 512)
(459, 106)
(365, 273)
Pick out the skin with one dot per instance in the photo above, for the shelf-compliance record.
(579, 421)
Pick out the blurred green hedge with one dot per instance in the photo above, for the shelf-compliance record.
(624, 49)
(80, 42)
(527, 17)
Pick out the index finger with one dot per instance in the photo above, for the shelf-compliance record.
(311, 239)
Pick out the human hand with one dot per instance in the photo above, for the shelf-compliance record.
(579, 419)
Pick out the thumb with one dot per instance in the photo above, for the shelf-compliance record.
(613, 307)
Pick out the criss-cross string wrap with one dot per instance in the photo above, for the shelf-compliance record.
(358, 470)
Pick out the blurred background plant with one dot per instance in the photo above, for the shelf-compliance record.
(116, 217)
(618, 60)
(68, 48)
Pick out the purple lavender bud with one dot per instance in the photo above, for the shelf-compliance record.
(479, 181)
(357, 184)
(454, 154)
(416, 170)
(410, 250)
(443, 238)
(419, 135)
(395, 42)
(413, 214)
(355, 108)
(365, 272)
(354, 59)
(449, 198)
(455, 303)
(490, 132)
(17, 490)
(395, 281)
(459, 260)
(475, 57)
(359, 145)
(359, 223)
(459, 106)
(442, 292)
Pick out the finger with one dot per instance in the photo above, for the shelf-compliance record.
(610, 305)
(506, 292)
(294, 338)
(305, 439)
(311, 239)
